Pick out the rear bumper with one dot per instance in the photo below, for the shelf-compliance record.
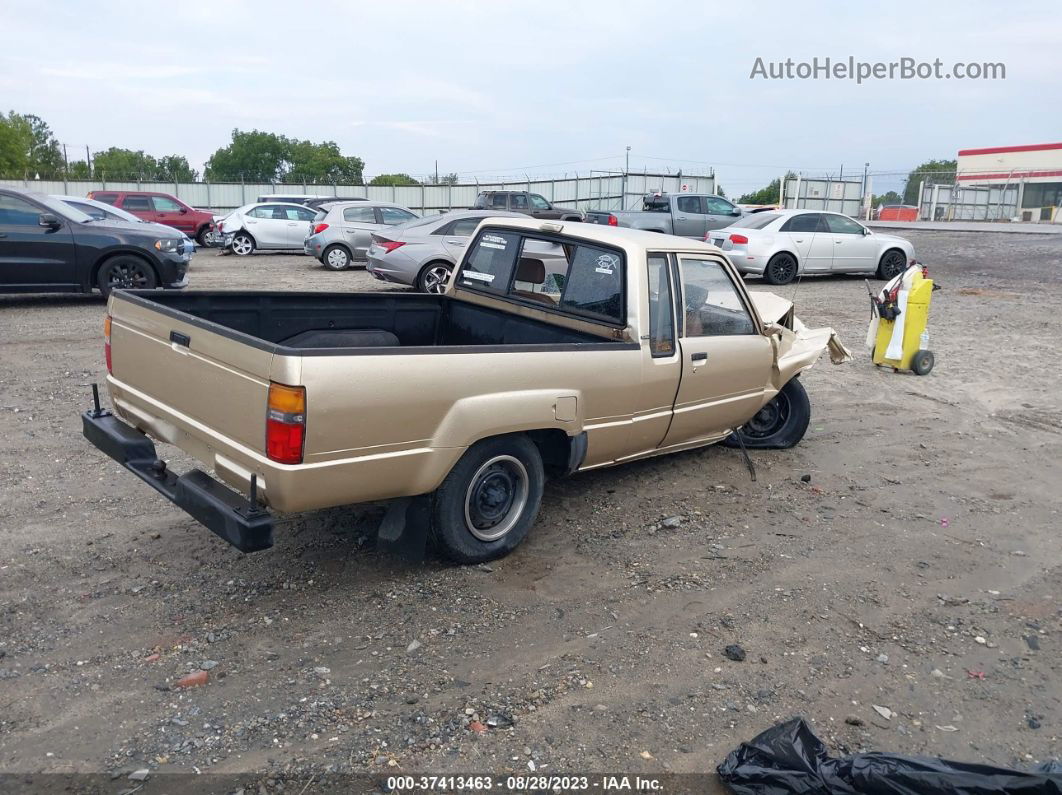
(224, 512)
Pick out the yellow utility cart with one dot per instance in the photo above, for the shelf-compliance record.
(915, 318)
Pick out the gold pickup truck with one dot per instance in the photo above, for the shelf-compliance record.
(557, 347)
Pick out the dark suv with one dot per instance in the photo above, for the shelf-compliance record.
(522, 201)
(161, 208)
(47, 246)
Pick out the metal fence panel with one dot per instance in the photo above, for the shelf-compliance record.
(598, 190)
(969, 202)
(831, 195)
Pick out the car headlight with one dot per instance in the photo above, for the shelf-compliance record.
(168, 244)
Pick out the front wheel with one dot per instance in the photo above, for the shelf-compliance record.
(780, 424)
(336, 258)
(242, 244)
(433, 278)
(126, 272)
(203, 236)
(893, 263)
(782, 269)
(490, 499)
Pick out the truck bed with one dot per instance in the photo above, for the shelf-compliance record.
(346, 323)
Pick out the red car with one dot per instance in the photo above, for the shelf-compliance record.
(162, 208)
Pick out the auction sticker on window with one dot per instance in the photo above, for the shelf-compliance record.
(607, 264)
(493, 241)
(479, 277)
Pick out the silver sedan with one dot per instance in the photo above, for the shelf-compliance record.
(779, 245)
(422, 253)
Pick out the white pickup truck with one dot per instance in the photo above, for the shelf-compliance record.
(457, 406)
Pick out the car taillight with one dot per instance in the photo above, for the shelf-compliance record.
(286, 423)
(390, 245)
(738, 239)
(107, 342)
(319, 228)
(613, 220)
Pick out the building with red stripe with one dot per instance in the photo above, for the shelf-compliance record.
(1035, 169)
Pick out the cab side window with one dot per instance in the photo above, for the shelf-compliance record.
(712, 304)
(661, 308)
(17, 212)
(689, 204)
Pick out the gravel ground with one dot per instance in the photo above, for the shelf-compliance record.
(917, 570)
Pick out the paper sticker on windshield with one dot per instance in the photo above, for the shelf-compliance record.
(493, 241)
(607, 264)
(479, 277)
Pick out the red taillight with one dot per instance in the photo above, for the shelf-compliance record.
(319, 228)
(739, 240)
(613, 220)
(390, 245)
(107, 342)
(286, 423)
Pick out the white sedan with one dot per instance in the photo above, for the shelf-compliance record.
(779, 245)
(266, 225)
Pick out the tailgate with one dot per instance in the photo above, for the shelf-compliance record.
(173, 378)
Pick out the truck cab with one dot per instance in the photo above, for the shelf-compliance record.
(526, 203)
(683, 214)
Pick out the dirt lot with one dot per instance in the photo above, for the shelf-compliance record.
(919, 570)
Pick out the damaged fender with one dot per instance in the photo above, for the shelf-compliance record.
(796, 347)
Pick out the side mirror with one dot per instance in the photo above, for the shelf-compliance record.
(736, 212)
(865, 231)
(183, 211)
(49, 220)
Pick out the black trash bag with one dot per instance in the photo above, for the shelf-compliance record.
(789, 758)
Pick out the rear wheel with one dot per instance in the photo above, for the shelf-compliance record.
(433, 277)
(893, 263)
(782, 269)
(242, 244)
(922, 362)
(126, 272)
(490, 499)
(780, 424)
(336, 258)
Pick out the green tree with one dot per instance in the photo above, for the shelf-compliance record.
(175, 168)
(892, 197)
(938, 172)
(393, 179)
(28, 147)
(78, 170)
(118, 163)
(719, 191)
(445, 179)
(768, 195)
(257, 156)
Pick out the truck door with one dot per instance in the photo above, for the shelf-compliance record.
(688, 218)
(720, 212)
(170, 213)
(726, 361)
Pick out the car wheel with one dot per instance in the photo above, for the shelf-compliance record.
(202, 237)
(126, 272)
(780, 424)
(922, 362)
(893, 263)
(490, 499)
(782, 269)
(433, 277)
(336, 258)
(242, 244)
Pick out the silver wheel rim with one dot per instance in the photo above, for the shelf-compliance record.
(435, 279)
(242, 246)
(496, 497)
(337, 258)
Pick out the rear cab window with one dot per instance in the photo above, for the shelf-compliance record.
(559, 274)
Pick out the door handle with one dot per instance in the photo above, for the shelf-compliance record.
(682, 218)
(456, 242)
(251, 222)
(699, 358)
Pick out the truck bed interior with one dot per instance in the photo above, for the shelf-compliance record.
(329, 321)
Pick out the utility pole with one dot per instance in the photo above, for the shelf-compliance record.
(627, 168)
(88, 160)
(866, 201)
(66, 160)
(436, 172)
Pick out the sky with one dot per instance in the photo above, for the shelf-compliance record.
(542, 88)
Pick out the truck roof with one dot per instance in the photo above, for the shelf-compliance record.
(614, 235)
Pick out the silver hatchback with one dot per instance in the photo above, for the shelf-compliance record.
(341, 233)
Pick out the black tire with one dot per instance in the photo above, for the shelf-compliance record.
(780, 424)
(893, 263)
(782, 269)
(922, 362)
(126, 272)
(490, 499)
(336, 258)
(201, 236)
(242, 244)
(431, 280)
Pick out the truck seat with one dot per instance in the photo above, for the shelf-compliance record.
(532, 271)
